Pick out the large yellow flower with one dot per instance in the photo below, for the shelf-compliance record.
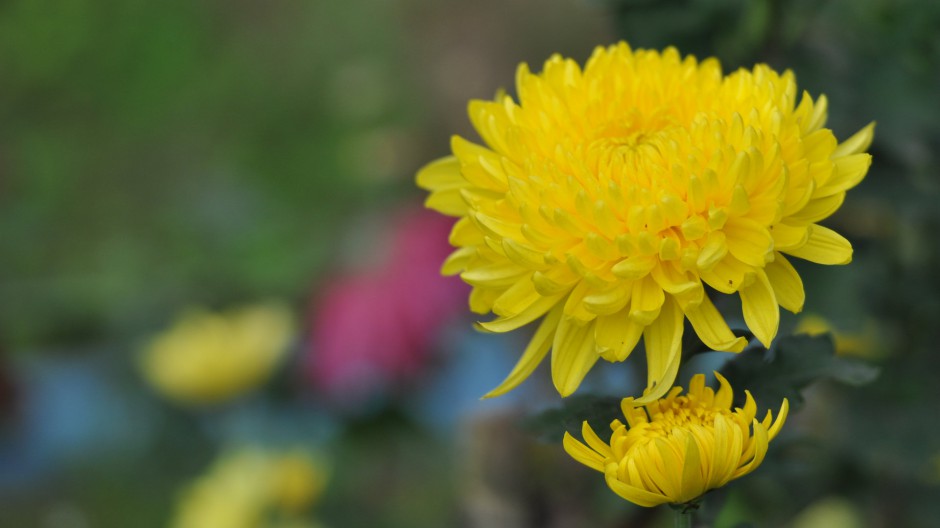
(679, 447)
(606, 197)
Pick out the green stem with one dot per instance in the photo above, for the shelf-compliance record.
(683, 519)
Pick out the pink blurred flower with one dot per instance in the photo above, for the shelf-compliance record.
(374, 329)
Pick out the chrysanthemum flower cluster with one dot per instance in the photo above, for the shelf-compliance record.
(604, 200)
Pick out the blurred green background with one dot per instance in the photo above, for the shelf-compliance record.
(160, 155)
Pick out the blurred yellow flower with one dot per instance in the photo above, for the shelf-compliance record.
(861, 344)
(607, 197)
(679, 447)
(831, 512)
(208, 358)
(247, 487)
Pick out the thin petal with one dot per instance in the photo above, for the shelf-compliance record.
(582, 453)
(748, 241)
(788, 235)
(787, 284)
(638, 496)
(617, 334)
(815, 210)
(760, 309)
(859, 142)
(516, 299)
(693, 482)
(728, 275)
(761, 442)
(497, 275)
(663, 339)
(646, 301)
(449, 202)
(824, 246)
(712, 328)
(781, 419)
(534, 353)
(849, 171)
(443, 173)
(574, 354)
(594, 441)
(725, 394)
(526, 316)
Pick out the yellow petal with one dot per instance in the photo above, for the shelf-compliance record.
(760, 309)
(663, 339)
(594, 441)
(465, 233)
(609, 301)
(818, 118)
(617, 334)
(849, 171)
(787, 236)
(693, 482)
(781, 419)
(497, 227)
(458, 261)
(787, 284)
(674, 281)
(859, 142)
(533, 355)
(516, 299)
(711, 328)
(727, 461)
(443, 173)
(634, 267)
(573, 354)
(523, 255)
(824, 246)
(749, 241)
(449, 202)
(713, 251)
(481, 301)
(761, 442)
(582, 453)
(497, 275)
(725, 394)
(729, 275)
(638, 496)
(815, 210)
(646, 301)
(697, 385)
(526, 316)
(555, 280)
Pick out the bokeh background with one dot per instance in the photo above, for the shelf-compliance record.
(161, 162)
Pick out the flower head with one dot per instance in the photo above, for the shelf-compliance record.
(245, 485)
(677, 448)
(207, 358)
(607, 197)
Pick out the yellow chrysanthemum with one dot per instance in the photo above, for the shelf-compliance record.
(679, 447)
(245, 486)
(606, 197)
(207, 358)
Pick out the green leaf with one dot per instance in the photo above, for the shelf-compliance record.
(790, 365)
(599, 411)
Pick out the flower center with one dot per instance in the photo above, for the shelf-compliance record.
(632, 130)
(676, 414)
